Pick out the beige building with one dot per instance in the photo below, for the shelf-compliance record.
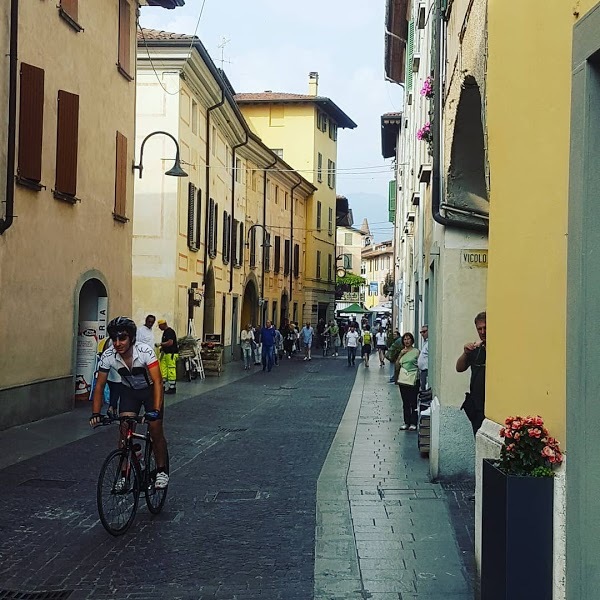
(199, 252)
(65, 243)
(351, 241)
(377, 267)
(303, 130)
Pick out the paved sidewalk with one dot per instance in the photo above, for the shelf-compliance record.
(383, 531)
(26, 441)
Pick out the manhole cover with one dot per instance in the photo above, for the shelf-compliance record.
(236, 495)
(11, 595)
(46, 483)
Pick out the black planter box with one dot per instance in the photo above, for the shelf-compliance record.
(516, 536)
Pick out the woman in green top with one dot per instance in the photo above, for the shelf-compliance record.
(334, 332)
(408, 378)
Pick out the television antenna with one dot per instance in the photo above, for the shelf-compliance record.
(221, 47)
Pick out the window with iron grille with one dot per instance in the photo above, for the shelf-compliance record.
(296, 260)
(31, 126)
(253, 247)
(318, 264)
(318, 216)
(277, 254)
(287, 256)
(67, 142)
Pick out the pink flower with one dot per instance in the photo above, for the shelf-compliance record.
(536, 433)
(517, 436)
(548, 453)
(516, 424)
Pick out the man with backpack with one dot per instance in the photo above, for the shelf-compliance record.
(366, 345)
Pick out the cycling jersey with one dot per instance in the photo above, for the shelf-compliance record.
(138, 378)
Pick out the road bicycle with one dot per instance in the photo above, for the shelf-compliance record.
(124, 474)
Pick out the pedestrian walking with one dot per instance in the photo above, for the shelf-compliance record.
(367, 347)
(278, 349)
(257, 345)
(334, 332)
(394, 344)
(381, 345)
(351, 341)
(407, 379)
(169, 353)
(306, 336)
(424, 358)
(267, 336)
(247, 340)
(289, 339)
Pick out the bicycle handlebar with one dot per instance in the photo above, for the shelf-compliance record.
(109, 420)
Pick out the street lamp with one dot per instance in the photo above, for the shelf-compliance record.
(175, 170)
(266, 244)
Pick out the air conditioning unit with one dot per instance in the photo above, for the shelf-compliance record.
(421, 16)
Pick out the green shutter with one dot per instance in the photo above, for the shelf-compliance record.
(392, 201)
(410, 48)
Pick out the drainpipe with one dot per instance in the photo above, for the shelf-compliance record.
(7, 221)
(292, 246)
(233, 173)
(207, 197)
(262, 279)
(437, 191)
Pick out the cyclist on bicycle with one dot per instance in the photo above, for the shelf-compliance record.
(141, 384)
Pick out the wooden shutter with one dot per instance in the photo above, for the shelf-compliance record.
(211, 230)
(125, 36)
(241, 240)
(235, 259)
(198, 217)
(215, 228)
(296, 260)
(31, 122)
(225, 251)
(277, 259)
(253, 247)
(67, 143)
(410, 48)
(71, 7)
(287, 255)
(121, 171)
(192, 228)
(267, 251)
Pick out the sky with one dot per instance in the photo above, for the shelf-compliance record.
(274, 44)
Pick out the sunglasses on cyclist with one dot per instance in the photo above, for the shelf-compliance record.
(120, 336)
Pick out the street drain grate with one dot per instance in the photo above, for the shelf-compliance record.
(232, 429)
(458, 486)
(11, 595)
(236, 495)
(46, 483)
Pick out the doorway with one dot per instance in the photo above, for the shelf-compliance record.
(209, 303)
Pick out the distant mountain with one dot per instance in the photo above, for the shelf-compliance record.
(373, 207)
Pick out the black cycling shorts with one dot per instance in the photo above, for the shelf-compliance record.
(133, 400)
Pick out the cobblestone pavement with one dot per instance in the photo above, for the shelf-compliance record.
(264, 437)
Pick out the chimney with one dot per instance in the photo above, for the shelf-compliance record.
(313, 83)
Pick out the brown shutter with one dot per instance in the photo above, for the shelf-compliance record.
(192, 218)
(71, 8)
(296, 260)
(66, 143)
(31, 122)
(125, 36)
(121, 176)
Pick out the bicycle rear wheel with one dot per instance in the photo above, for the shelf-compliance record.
(118, 492)
(155, 499)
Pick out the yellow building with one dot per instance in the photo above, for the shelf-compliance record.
(199, 242)
(303, 130)
(377, 267)
(65, 243)
(535, 363)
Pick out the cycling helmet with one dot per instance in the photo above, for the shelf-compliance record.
(120, 325)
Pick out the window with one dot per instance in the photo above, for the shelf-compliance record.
(276, 194)
(347, 239)
(363, 268)
(235, 258)
(69, 11)
(329, 268)
(253, 247)
(225, 248)
(267, 251)
(277, 254)
(321, 121)
(214, 141)
(330, 223)
(241, 242)
(347, 261)
(67, 138)
(31, 125)
(121, 172)
(320, 167)
(194, 117)
(296, 260)
(318, 216)
(287, 257)
(238, 170)
(285, 201)
(318, 264)
(193, 233)
(254, 180)
(331, 174)
(332, 130)
(279, 152)
(124, 58)
(213, 212)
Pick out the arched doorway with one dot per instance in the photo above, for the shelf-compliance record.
(209, 302)
(91, 327)
(285, 309)
(250, 304)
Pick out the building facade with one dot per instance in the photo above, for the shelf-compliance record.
(224, 247)
(65, 243)
(303, 130)
(377, 267)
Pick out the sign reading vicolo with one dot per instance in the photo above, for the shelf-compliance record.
(474, 259)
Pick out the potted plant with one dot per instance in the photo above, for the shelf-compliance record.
(517, 513)
(424, 134)
(427, 89)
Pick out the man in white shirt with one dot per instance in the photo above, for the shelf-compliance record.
(144, 333)
(423, 361)
(351, 339)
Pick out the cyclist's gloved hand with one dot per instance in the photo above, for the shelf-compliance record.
(153, 415)
(95, 419)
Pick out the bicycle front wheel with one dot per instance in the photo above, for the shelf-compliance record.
(155, 499)
(118, 492)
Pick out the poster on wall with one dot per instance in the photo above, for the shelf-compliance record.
(87, 344)
(102, 314)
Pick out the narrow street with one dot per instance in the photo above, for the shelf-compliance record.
(241, 515)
